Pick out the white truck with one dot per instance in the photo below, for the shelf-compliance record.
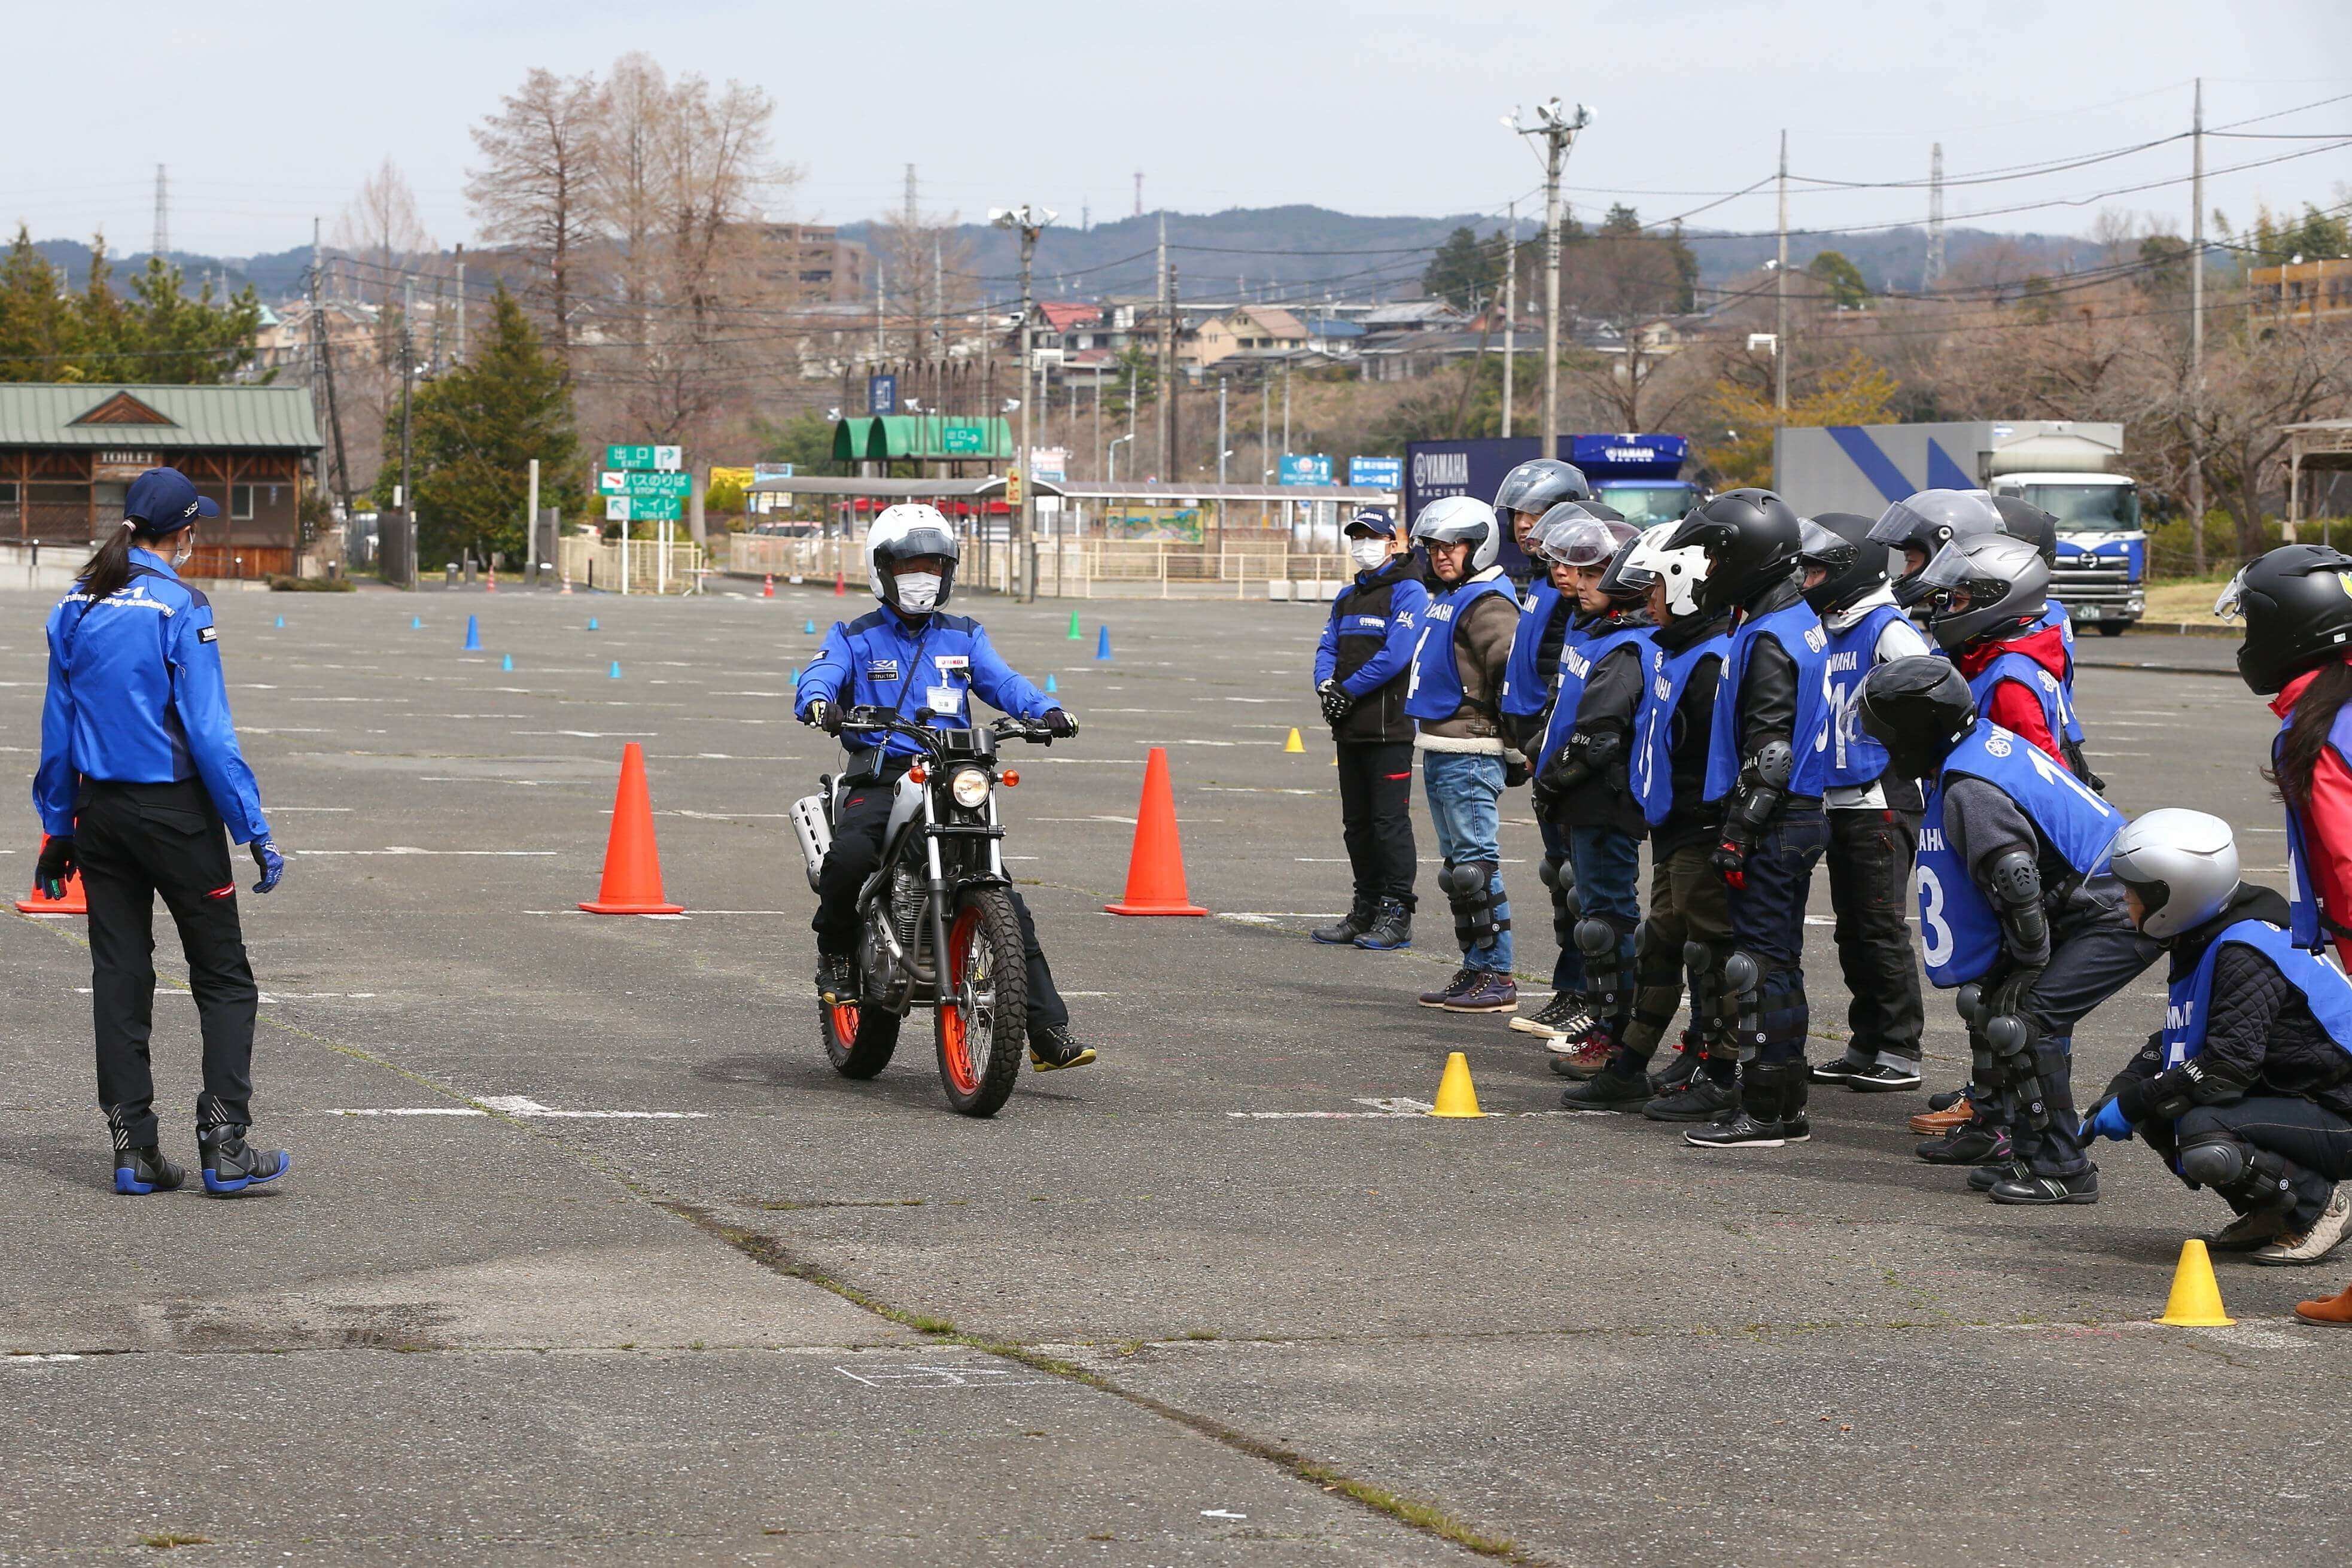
(2072, 470)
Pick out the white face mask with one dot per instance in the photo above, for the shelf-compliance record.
(918, 591)
(1368, 554)
(187, 549)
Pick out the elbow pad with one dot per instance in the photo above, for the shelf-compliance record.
(1763, 782)
(2015, 884)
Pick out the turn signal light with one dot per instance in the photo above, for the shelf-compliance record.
(1010, 777)
(918, 773)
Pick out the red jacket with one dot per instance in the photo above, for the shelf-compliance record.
(2013, 707)
(2326, 822)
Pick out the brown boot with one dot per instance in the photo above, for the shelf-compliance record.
(2335, 1309)
(1936, 1124)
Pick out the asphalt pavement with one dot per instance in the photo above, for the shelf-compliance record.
(587, 1255)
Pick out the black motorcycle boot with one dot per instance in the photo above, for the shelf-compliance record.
(1053, 1048)
(230, 1164)
(837, 980)
(1341, 933)
(139, 1168)
(1391, 929)
(1621, 1085)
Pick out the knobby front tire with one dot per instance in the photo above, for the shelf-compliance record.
(982, 1020)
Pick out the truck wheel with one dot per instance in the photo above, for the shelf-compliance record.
(2113, 628)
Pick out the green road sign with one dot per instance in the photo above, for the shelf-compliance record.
(964, 440)
(634, 483)
(643, 510)
(648, 458)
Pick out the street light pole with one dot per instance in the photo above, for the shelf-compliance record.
(1029, 221)
(1557, 124)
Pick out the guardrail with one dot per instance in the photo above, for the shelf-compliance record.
(1068, 568)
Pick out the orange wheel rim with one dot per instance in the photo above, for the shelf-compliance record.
(844, 1023)
(955, 1027)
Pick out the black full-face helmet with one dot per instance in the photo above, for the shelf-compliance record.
(1751, 539)
(1926, 522)
(2023, 519)
(1839, 543)
(2297, 604)
(1918, 709)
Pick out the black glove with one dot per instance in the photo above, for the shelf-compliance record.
(1059, 724)
(1337, 704)
(55, 865)
(822, 714)
(1516, 771)
(1544, 801)
(1729, 859)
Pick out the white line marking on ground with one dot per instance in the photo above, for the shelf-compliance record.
(592, 734)
(412, 850)
(721, 816)
(524, 1105)
(342, 808)
(917, 1375)
(30, 1359)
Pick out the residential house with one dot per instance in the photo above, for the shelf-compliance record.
(1248, 327)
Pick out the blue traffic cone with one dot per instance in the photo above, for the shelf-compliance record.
(281, 624)
(591, 623)
(1050, 687)
(417, 623)
(792, 673)
(473, 636)
(506, 661)
(1102, 644)
(616, 670)
(808, 627)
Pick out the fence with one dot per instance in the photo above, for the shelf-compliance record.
(1073, 569)
(675, 568)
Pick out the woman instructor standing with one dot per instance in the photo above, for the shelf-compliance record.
(139, 770)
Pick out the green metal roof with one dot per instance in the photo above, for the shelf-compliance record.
(42, 413)
(920, 437)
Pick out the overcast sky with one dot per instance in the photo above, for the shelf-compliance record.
(267, 114)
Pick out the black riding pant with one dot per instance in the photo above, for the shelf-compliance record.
(133, 842)
(2093, 954)
(2316, 1142)
(1869, 863)
(857, 849)
(1767, 923)
(1376, 817)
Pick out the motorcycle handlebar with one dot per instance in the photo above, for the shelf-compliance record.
(883, 721)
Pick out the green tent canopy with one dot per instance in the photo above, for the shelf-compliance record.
(920, 437)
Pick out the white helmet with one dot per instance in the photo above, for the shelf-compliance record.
(2183, 865)
(910, 529)
(1450, 519)
(1682, 569)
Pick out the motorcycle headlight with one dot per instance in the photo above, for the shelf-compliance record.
(969, 786)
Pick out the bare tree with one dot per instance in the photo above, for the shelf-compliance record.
(533, 188)
(380, 231)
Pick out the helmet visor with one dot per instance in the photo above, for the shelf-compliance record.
(1538, 486)
(1816, 546)
(1899, 526)
(1576, 541)
(2232, 599)
(1948, 570)
(922, 539)
(1626, 576)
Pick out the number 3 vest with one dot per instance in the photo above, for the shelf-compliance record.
(1959, 933)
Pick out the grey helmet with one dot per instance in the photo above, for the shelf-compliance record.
(2183, 865)
(1540, 484)
(2007, 584)
(1928, 521)
(1450, 519)
(1573, 534)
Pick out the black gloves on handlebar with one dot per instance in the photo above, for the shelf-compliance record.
(1057, 720)
(822, 714)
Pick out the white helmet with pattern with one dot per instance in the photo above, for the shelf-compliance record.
(1682, 570)
(908, 530)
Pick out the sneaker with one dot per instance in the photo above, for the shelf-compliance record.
(1489, 993)
(1463, 979)
(837, 980)
(231, 1165)
(138, 1172)
(2082, 1186)
(1053, 1048)
(1343, 932)
(1984, 1178)
(1564, 1017)
(2325, 1235)
(1702, 1099)
(1390, 929)
(1679, 1069)
(1590, 1055)
(1739, 1131)
(1878, 1078)
(1608, 1091)
(1939, 1119)
(2335, 1308)
(1972, 1145)
(1843, 1069)
(2247, 1231)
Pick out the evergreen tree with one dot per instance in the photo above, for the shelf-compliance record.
(1841, 277)
(472, 435)
(38, 334)
(158, 334)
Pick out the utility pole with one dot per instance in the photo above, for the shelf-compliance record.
(407, 567)
(1780, 302)
(1264, 440)
(162, 238)
(2196, 328)
(461, 302)
(1138, 193)
(1289, 512)
(326, 368)
(1557, 124)
(1510, 306)
(1167, 345)
(1933, 274)
(1220, 472)
(1028, 222)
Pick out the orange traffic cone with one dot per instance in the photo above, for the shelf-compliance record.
(840, 588)
(768, 589)
(633, 882)
(567, 584)
(1155, 868)
(492, 584)
(39, 902)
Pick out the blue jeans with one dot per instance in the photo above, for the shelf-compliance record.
(1608, 871)
(1465, 790)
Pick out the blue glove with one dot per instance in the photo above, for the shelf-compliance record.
(2106, 1120)
(272, 864)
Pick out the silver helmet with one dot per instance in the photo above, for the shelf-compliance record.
(2007, 588)
(1570, 535)
(1926, 522)
(902, 532)
(2183, 865)
(1450, 519)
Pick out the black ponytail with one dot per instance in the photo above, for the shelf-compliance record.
(2306, 733)
(107, 570)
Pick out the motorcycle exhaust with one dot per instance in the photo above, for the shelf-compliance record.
(816, 832)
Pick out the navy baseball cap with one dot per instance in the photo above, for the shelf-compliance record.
(1373, 521)
(163, 501)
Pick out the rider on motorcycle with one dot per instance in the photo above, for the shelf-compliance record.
(907, 655)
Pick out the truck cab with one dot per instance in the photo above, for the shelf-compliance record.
(2101, 574)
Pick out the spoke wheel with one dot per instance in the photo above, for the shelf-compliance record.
(983, 1019)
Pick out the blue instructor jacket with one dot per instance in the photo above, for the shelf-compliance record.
(136, 697)
(936, 662)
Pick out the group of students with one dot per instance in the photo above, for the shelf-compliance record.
(1748, 690)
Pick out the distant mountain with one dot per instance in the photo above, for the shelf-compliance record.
(1293, 255)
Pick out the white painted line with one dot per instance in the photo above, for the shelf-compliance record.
(917, 1375)
(418, 1110)
(1254, 790)
(412, 850)
(35, 1360)
(524, 1105)
(594, 734)
(341, 808)
(1220, 1513)
(722, 816)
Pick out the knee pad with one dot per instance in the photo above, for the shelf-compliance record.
(2237, 1170)
(1467, 891)
(1565, 905)
(1604, 976)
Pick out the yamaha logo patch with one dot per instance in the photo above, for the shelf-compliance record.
(208, 634)
(881, 669)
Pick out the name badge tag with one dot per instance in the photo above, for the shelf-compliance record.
(944, 699)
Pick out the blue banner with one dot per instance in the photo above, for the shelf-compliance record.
(1388, 473)
(881, 394)
(1305, 469)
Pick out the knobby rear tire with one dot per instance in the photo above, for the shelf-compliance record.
(982, 1024)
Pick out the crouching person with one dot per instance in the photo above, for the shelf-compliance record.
(2248, 1087)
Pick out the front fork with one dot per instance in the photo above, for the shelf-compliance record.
(938, 901)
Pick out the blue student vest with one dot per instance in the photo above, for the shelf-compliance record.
(2304, 907)
(2329, 993)
(2054, 614)
(1653, 770)
(1800, 631)
(1434, 693)
(1579, 657)
(1959, 933)
(1856, 758)
(2049, 690)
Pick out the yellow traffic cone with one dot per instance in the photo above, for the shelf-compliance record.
(1456, 1097)
(2196, 1298)
(1293, 743)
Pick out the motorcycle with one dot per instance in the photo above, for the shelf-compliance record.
(940, 888)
